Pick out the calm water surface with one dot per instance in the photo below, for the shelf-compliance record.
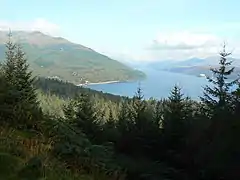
(157, 85)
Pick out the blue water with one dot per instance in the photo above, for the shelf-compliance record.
(157, 85)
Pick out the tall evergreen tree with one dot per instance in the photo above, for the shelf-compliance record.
(84, 117)
(124, 122)
(9, 65)
(236, 102)
(217, 147)
(21, 104)
(218, 98)
(131, 124)
(8, 81)
(175, 118)
(110, 129)
(138, 110)
(70, 109)
(158, 113)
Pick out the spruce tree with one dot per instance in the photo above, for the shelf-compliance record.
(138, 109)
(110, 129)
(85, 117)
(174, 119)
(9, 65)
(158, 113)
(144, 130)
(219, 149)
(8, 82)
(111, 121)
(69, 110)
(3, 107)
(236, 102)
(124, 126)
(218, 98)
(21, 104)
(123, 117)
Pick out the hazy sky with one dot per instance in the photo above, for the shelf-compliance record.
(142, 30)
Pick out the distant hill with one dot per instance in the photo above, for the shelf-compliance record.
(194, 66)
(59, 58)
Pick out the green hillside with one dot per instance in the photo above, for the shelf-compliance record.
(59, 131)
(57, 57)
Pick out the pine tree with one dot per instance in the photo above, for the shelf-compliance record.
(124, 122)
(8, 81)
(218, 98)
(175, 117)
(158, 114)
(218, 148)
(20, 100)
(85, 117)
(138, 109)
(69, 110)
(3, 107)
(236, 102)
(10, 64)
(124, 126)
(111, 119)
(144, 130)
(110, 129)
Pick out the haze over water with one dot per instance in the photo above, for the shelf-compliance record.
(158, 84)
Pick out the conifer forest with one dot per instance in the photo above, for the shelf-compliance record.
(54, 130)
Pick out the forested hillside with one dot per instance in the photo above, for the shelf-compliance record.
(56, 131)
(195, 66)
(58, 58)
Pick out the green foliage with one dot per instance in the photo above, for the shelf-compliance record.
(9, 165)
(219, 97)
(49, 57)
(84, 134)
(33, 170)
(19, 100)
(176, 115)
(82, 116)
(68, 90)
(52, 104)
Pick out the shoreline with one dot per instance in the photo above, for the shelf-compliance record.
(104, 82)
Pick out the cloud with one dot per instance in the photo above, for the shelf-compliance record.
(38, 24)
(179, 46)
(183, 41)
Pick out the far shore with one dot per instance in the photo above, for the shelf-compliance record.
(105, 82)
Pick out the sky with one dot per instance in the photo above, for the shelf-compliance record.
(133, 30)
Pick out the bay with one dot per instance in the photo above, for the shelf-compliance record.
(158, 84)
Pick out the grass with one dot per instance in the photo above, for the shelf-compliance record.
(24, 157)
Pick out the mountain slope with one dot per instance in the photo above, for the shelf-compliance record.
(195, 66)
(57, 57)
